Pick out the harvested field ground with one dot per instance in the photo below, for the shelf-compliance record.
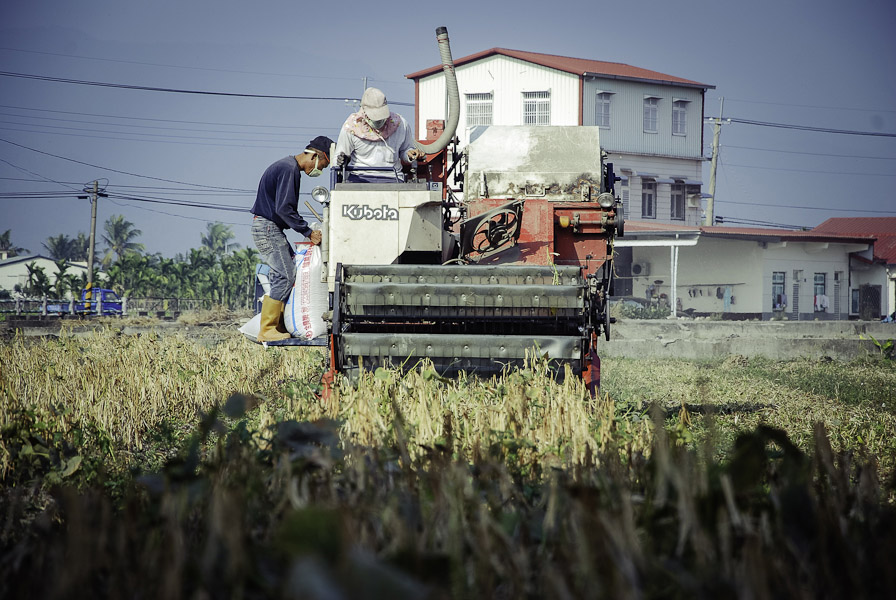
(178, 465)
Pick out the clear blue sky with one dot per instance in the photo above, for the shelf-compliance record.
(816, 64)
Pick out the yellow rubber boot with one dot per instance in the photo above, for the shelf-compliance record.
(271, 313)
(281, 322)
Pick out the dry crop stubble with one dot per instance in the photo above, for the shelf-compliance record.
(130, 385)
(515, 487)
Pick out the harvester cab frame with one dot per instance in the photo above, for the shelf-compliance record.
(513, 262)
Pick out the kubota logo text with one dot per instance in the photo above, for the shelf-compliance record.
(356, 212)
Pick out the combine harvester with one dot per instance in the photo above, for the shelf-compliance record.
(516, 262)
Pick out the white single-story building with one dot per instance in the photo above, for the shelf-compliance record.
(742, 273)
(872, 278)
(14, 271)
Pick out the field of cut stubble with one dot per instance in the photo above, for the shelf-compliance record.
(155, 465)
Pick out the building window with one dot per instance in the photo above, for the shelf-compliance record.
(648, 199)
(536, 108)
(602, 110)
(677, 207)
(651, 110)
(854, 301)
(779, 296)
(680, 117)
(479, 109)
(821, 298)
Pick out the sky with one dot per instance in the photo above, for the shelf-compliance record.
(811, 64)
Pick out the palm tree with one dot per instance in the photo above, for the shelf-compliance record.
(61, 247)
(65, 282)
(82, 247)
(239, 271)
(119, 238)
(217, 240)
(38, 283)
(7, 246)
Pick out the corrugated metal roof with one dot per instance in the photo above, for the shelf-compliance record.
(860, 225)
(785, 234)
(883, 228)
(648, 226)
(576, 66)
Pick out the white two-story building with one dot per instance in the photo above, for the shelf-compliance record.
(651, 124)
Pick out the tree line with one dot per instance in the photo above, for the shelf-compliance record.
(218, 271)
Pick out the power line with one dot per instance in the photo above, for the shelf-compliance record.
(149, 64)
(124, 172)
(170, 214)
(42, 177)
(841, 155)
(822, 208)
(813, 171)
(152, 200)
(179, 190)
(811, 106)
(82, 114)
(808, 128)
(152, 135)
(176, 90)
(725, 220)
(273, 144)
(158, 127)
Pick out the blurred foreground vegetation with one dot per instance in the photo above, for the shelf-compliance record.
(156, 466)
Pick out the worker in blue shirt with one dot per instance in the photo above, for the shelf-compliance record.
(276, 209)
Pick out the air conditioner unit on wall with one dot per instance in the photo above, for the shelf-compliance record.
(694, 201)
(640, 269)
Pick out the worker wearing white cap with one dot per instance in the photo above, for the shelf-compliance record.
(375, 137)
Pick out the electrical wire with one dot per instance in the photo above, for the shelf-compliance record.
(148, 88)
(156, 127)
(824, 208)
(806, 127)
(722, 220)
(210, 69)
(275, 145)
(814, 171)
(839, 108)
(124, 172)
(841, 156)
(149, 135)
(82, 114)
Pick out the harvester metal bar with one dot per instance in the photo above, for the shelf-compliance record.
(463, 274)
(321, 340)
(398, 347)
(403, 299)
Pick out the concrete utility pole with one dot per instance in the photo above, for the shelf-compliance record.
(93, 199)
(94, 195)
(710, 208)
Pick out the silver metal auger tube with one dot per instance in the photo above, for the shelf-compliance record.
(453, 96)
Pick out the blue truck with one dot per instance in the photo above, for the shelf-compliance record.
(90, 304)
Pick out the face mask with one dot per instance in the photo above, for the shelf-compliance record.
(315, 172)
(377, 124)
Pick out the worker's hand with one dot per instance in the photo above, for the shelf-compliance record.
(341, 159)
(415, 153)
(315, 237)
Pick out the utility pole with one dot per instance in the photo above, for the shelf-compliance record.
(710, 209)
(93, 203)
(95, 192)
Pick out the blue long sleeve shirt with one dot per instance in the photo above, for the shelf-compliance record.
(278, 196)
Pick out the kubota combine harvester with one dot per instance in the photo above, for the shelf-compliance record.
(483, 256)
